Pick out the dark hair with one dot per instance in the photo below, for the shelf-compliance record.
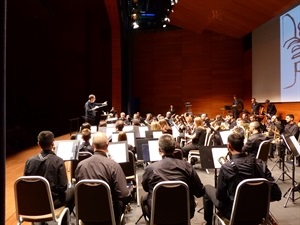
(86, 125)
(45, 139)
(166, 143)
(236, 140)
(86, 134)
(290, 115)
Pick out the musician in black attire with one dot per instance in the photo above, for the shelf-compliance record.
(237, 107)
(48, 165)
(232, 172)
(255, 106)
(291, 127)
(270, 109)
(90, 109)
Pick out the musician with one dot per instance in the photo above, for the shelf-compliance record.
(148, 119)
(231, 173)
(275, 126)
(291, 127)
(256, 137)
(245, 117)
(126, 119)
(90, 108)
(237, 107)
(270, 109)
(255, 108)
(172, 110)
(197, 138)
(230, 121)
(113, 111)
(169, 168)
(169, 118)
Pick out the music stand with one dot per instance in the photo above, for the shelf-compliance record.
(209, 159)
(67, 149)
(294, 147)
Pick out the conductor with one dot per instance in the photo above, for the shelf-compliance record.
(90, 108)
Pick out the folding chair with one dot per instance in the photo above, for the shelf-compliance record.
(251, 204)
(94, 204)
(34, 201)
(170, 203)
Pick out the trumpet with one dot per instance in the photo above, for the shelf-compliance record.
(224, 159)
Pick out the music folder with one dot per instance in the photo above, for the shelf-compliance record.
(67, 149)
(292, 144)
(210, 155)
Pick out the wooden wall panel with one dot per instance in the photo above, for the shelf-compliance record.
(205, 69)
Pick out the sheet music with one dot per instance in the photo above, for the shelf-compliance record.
(175, 132)
(217, 153)
(224, 136)
(154, 150)
(118, 151)
(295, 143)
(66, 149)
(142, 131)
(157, 134)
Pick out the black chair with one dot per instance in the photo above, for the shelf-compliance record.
(170, 203)
(251, 204)
(93, 202)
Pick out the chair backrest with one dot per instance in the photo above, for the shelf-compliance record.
(208, 132)
(74, 163)
(178, 153)
(263, 150)
(209, 140)
(33, 199)
(170, 203)
(94, 202)
(251, 202)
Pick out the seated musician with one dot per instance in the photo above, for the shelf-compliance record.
(232, 172)
(167, 169)
(256, 137)
(198, 138)
(86, 146)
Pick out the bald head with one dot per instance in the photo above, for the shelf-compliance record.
(100, 141)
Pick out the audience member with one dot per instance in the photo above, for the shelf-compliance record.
(232, 172)
(47, 164)
(99, 166)
(169, 168)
